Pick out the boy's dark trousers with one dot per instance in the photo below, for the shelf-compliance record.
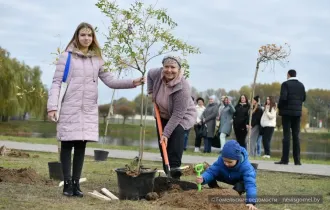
(175, 146)
(238, 184)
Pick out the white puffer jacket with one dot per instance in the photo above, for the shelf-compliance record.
(200, 111)
(268, 118)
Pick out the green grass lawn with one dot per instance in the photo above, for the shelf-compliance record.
(117, 130)
(101, 174)
(53, 141)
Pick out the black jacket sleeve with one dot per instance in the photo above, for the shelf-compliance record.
(283, 95)
(256, 117)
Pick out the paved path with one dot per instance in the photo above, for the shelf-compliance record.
(315, 169)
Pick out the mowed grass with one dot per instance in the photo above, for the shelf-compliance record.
(102, 174)
(53, 141)
(40, 196)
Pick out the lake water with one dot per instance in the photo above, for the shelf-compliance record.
(310, 148)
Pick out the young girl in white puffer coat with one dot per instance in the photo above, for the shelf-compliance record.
(268, 123)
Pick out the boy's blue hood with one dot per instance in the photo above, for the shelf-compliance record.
(244, 157)
(231, 150)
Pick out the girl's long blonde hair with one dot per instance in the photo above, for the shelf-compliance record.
(75, 39)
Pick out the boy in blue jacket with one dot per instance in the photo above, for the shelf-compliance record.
(233, 167)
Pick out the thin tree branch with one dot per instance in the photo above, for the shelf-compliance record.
(131, 66)
(159, 54)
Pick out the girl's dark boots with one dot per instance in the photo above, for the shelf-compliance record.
(67, 189)
(76, 189)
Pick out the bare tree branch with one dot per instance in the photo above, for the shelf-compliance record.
(159, 54)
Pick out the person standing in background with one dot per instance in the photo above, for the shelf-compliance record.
(268, 123)
(292, 96)
(226, 121)
(209, 118)
(241, 118)
(200, 109)
(186, 134)
(259, 140)
(255, 125)
(222, 105)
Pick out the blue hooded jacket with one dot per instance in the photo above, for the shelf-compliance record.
(242, 171)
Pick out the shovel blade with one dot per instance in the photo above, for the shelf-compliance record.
(162, 184)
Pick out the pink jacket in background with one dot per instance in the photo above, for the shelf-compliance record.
(79, 119)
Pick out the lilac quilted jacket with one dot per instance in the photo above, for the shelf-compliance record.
(79, 113)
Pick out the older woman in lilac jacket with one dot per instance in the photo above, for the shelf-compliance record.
(171, 92)
(78, 119)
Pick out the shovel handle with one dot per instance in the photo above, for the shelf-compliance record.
(160, 131)
(199, 168)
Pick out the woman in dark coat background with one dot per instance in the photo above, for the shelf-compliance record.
(241, 119)
(226, 121)
(209, 118)
(255, 125)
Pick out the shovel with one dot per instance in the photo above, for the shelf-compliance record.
(165, 183)
(199, 168)
(160, 131)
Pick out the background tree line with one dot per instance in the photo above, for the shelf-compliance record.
(21, 89)
(22, 92)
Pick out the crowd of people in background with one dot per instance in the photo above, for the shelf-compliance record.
(225, 117)
(222, 117)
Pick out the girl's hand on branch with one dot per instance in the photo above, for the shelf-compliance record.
(139, 81)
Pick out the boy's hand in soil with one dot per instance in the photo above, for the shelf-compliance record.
(199, 179)
(251, 207)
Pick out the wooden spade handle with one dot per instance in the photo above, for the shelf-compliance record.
(160, 131)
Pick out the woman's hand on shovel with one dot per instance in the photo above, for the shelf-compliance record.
(165, 139)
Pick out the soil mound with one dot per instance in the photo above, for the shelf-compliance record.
(18, 154)
(4, 151)
(22, 175)
(190, 171)
(193, 199)
(184, 194)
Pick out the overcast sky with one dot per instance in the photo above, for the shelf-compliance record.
(228, 33)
